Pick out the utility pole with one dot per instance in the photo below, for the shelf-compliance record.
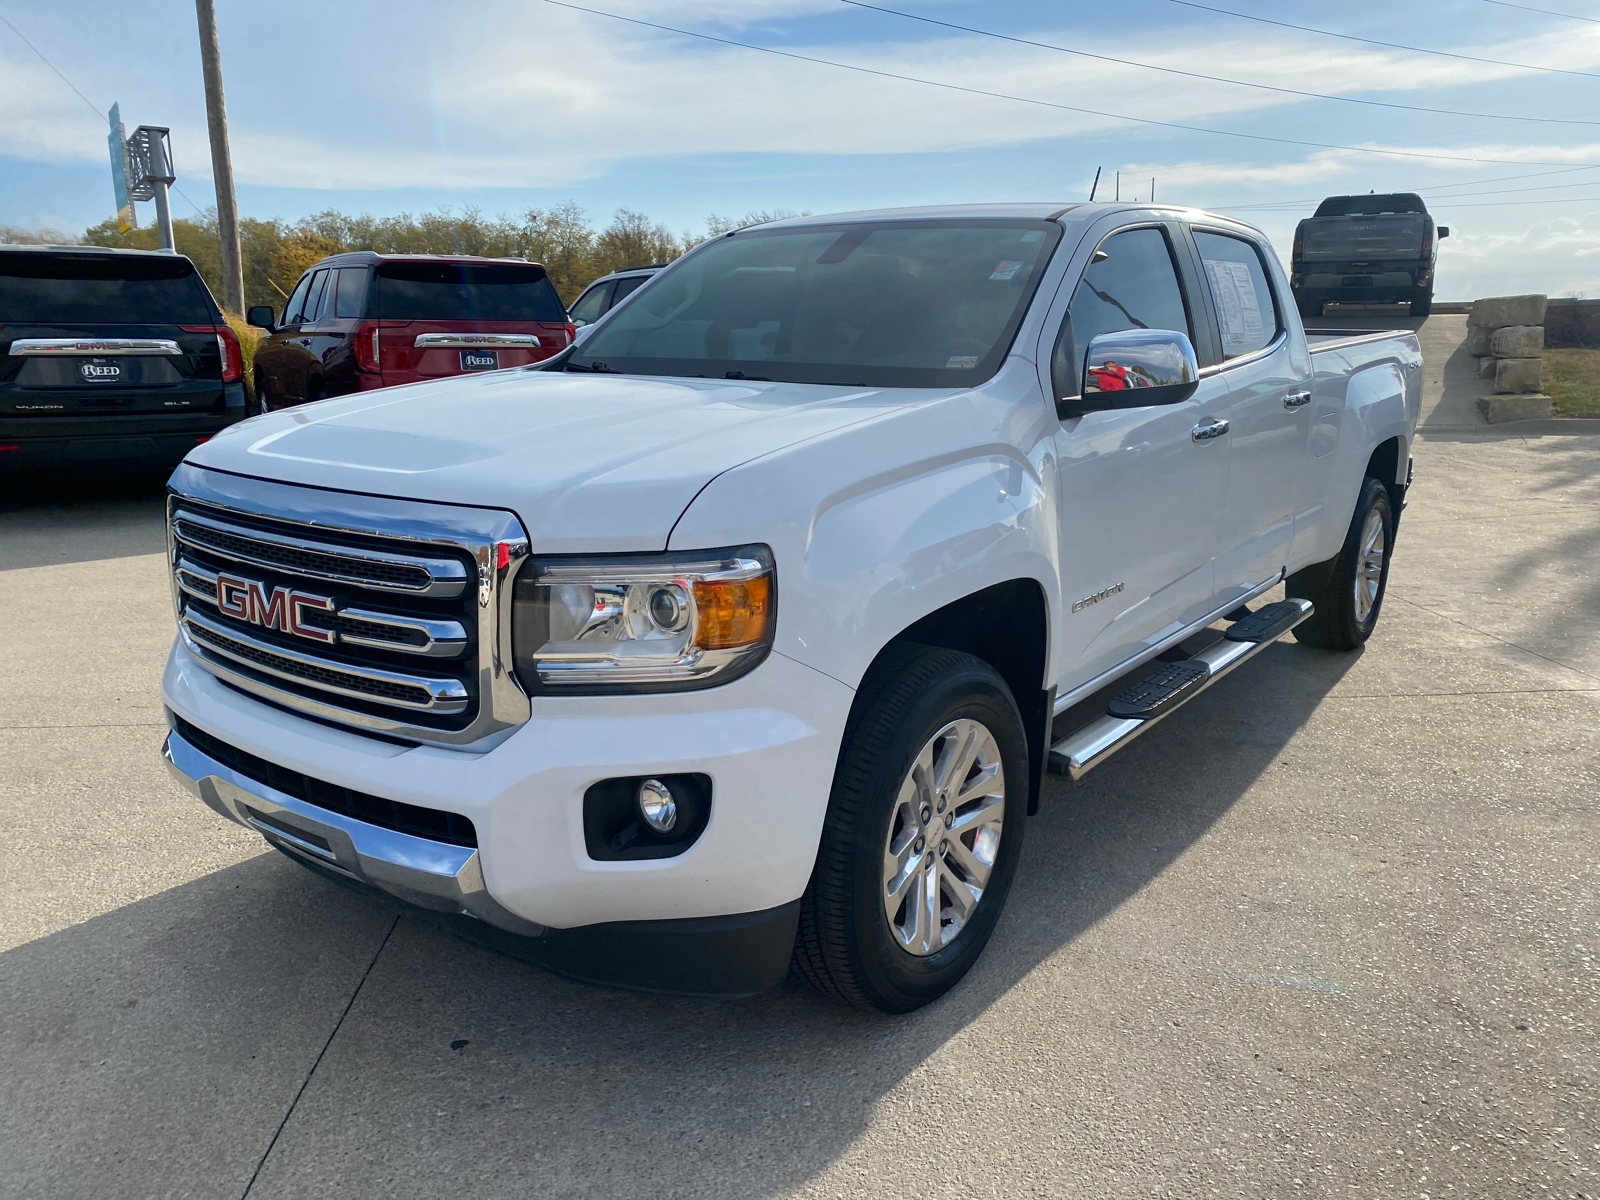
(221, 158)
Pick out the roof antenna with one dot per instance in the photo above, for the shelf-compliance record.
(1096, 184)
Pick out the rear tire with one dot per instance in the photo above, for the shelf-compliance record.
(1348, 589)
(934, 755)
(1422, 306)
(1309, 308)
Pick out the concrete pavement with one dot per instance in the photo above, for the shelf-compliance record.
(1330, 931)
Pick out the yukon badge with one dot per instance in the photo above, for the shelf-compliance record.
(1097, 597)
(280, 609)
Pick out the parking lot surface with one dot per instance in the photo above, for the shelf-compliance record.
(1330, 931)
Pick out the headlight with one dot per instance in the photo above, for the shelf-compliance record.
(641, 623)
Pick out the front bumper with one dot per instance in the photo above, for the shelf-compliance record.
(768, 743)
(419, 871)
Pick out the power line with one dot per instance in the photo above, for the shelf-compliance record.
(1092, 112)
(1265, 87)
(1546, 11)
(1349, 37)
(1504, 203)
(98, 114)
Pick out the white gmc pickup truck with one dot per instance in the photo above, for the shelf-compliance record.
(740, 636)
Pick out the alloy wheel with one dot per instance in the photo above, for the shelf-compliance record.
(944, 835)
(1369, 566)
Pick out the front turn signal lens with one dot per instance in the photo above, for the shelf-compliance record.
(732, 613)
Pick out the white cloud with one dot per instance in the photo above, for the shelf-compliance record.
(557, 96)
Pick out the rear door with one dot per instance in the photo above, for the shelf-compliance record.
(1268, 375)
(1140, 498)
(442, 318)
(274, 358)
(592, 304)
(85, 334)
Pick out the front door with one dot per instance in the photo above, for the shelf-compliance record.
(1140, 495)
(1269, 410)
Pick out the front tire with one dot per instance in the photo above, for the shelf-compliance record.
(923, 833)
(1348, 589)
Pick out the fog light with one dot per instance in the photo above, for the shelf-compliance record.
(656, 805)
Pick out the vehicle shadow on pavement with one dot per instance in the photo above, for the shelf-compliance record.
(58, 518)
(157, 1048)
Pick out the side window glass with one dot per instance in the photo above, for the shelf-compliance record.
(315, 297)
(351, 300)
(291, 310)
(626, 287)
(590, 305)
(1238, 281)
(1131, 283)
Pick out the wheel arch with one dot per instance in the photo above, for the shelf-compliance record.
(1007, 626)
(1390, 464)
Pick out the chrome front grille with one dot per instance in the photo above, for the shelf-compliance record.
(387, 615)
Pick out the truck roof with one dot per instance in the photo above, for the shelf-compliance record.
(1041, 211)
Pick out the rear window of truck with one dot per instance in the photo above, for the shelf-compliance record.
(425, 291)
(86, 289)
(1372, 206)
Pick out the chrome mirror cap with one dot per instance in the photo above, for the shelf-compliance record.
(1138, 368)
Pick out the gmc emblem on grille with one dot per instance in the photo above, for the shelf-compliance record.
(282, 609)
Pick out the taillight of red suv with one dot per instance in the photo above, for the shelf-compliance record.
(364, 342)
(228, 349)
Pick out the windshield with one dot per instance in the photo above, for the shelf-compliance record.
(1371, 206)
(88, 289)
(446, 291)
(891, 304)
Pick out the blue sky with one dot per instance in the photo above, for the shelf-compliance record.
(404, 106)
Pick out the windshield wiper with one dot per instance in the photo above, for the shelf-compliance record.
(751, 378)
(598, 368)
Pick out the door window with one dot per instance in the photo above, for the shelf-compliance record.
(292, 310)
(626, 287)
(1131, 283)
(590, 305)
(1245, 310)
(351, 300)
(315, 297)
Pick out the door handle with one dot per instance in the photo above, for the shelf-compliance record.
(1296, 399)
(1207, 430)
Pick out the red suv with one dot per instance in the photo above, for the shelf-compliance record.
(362, 320)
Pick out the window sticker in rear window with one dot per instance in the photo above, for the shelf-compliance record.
(1237, 305)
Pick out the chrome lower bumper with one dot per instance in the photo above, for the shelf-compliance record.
(419, 871)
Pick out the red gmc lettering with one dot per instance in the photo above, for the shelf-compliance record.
(297, 605)
(230, 597)
(271, 613)
(281, 609)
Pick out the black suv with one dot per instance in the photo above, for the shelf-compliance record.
(110, 358)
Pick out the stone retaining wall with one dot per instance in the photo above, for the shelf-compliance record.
(1506, 335)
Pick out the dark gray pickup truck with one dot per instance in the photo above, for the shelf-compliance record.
(1366, 250)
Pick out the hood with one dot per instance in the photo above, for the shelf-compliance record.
(590, 463)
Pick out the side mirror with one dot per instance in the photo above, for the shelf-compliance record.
(1444, 232)
(261, 316)
(1137, 368)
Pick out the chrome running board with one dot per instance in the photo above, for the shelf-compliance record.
(1167, 690)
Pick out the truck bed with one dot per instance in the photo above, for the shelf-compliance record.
(1320, 340)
